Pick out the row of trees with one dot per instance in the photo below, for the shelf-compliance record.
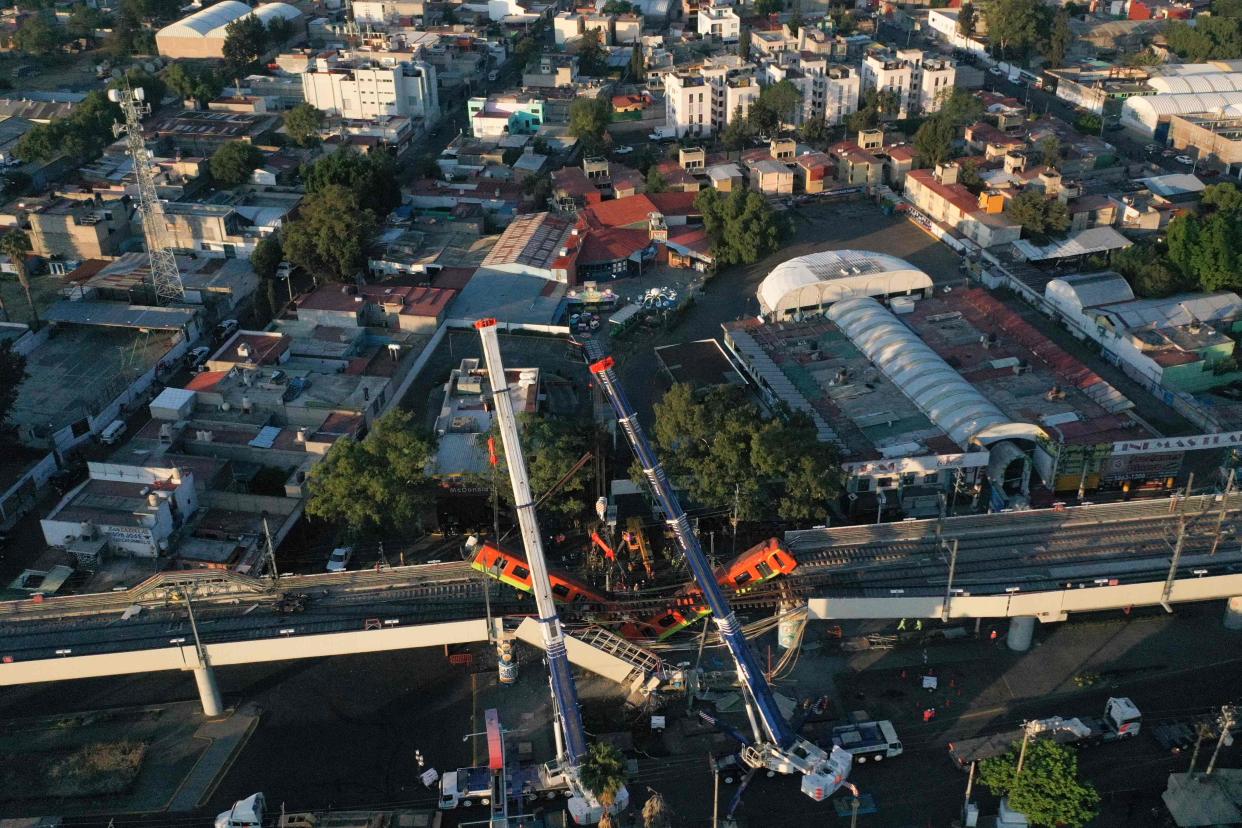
(1019, 28)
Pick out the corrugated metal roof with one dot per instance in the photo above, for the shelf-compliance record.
(832, 275)
(1212, 82)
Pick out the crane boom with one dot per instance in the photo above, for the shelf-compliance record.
(564, 693)
(780, 748)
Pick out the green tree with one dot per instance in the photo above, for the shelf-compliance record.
(1059, 39)
(1088, 123)
(372, 177)
(592, 57)
(1211, 38)
(638, 69)
(960, 107)
(1038, 215)
(603, 773)
(1051, 152)
(656, 813)
(153, 87)
(266, 259)
(743, 42)
(16, 244)
(84, 20)
(1048, 790)
(1217, 258)
(776, 105)
(1015, 27)
(966, 20)
(553, 446)
(12, 373)
(245, 41)
(933, 142)
(1224, 197)
(656, 182)
(588, 121)
(618, 7)
(968, 175)
(279, 30)
(815, 130)
(331, 234)
(303, 123)
(234, 161)
(722, 447)
(843, 21)
(737, 132)
(39, 34)
(742, 226)
(766, 8)
(195, 82)
(379, 484)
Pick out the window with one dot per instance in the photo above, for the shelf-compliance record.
(560, 590)
(520, 572)
(742, 577)
(864, 484)
(909, 479)
(765, 571)
(884, 483)
(931, 478)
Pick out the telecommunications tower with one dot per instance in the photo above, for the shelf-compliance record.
(164, 273)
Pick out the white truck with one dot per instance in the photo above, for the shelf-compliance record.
(245, 813)
(1121, 720)
(868, 741)
(466, 786)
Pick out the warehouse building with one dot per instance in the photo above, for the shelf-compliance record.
(809, 284)
(202, 34)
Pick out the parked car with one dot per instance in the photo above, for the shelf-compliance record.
(295, 387)
(226, 329)
(1184, 159)
(197, 356)
(492, 76)
(995, 70)
(338, 561)
(1150, 148)
(284, 270)
(624, 149)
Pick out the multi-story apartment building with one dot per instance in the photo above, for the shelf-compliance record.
(829, 91)
(73, 229)
(919, 82)
(719, 21)
(362, 88)
(688, 104)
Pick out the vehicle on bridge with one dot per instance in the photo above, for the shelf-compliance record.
(1121, 720)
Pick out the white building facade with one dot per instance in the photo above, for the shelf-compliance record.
(364, 90)
(720, 22)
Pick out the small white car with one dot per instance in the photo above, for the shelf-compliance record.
(338, 561)
(284, 270)
(995, 70)
(492, 76)
(624, 149)
(197, 356)
(1150, 148)
(1184, 159)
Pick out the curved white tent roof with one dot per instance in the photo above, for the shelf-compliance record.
(213, 20)
(940, 392)
(1195, 84)
(1146, 111)
(818, 280)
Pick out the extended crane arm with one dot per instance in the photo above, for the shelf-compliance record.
(782, 750)
(564, 694)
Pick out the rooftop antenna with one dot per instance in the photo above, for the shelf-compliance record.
(164, 273)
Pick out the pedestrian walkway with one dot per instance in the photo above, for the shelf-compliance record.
(227, 737)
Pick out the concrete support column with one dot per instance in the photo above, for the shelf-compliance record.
(208, 692)
(789, 628)
(1233, 613)
(1021, 631)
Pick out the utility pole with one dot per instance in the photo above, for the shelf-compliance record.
(271, 552)
(715, 793)
(1177, 558)
(1224, 505)
(970, 785)
(1026, 737)
(1200, 735)
(948, 590)
(1227, 720)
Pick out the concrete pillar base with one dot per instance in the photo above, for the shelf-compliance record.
(1021, 632)
(1233, 613)
(789, 628)
(208, 692)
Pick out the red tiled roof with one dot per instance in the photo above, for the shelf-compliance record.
(612, 244)
(455, 278)
(901, 153)
(427, 301)
(632, 210)
(86, 270)
(205, 381)
(955, 194)
(811, 160)
(694, 238)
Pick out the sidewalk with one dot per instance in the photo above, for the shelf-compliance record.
(226, 737)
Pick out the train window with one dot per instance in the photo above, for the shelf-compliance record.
(742, 577)
(668, 620)
(520, 572)
(765, 571)
(560, 590)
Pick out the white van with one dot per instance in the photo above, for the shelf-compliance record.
(112, 433)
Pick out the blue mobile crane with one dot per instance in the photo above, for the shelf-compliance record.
(775, 747)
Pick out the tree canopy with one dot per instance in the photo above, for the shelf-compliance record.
(966, 20)
(1016, 27)
(603, 772)
(372, 178)
(40, 34)
(82, 135)
(588, 120)
(1039, 216)
(303, 123)
(330, 236)
(12, 372)
(1059, 39)
(1211, 38)
(234, 161)
(193, 81)
(245, 41)
(776, 105)
(592, 56)
(933, 142)
(721, 447)
(552, 446)
(741, 225)
(1207, 247)
(1048, 790)
(377, 484)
